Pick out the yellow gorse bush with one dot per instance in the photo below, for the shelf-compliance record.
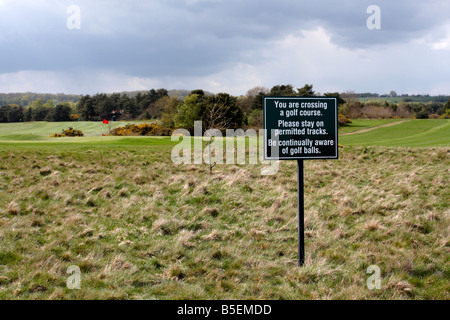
(71, 132)
(343, 120)
(144, 129)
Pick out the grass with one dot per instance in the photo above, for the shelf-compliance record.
(361, 124)
(40, 131)
(140, 227)
(413, 133)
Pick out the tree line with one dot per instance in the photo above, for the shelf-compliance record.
(215, 110)
(38, 111)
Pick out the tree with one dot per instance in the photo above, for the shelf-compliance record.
(222, 112)
(255, 119)
(86, 108)
(216, 120)
(101, 105)
(340, 101)
(15, 113)
(257, 103)
(282, 90)
(420, 112)
(447, 106)
(252, 100)
(62, 113)
(188, 112)
(39, 110)
(169, 111)
(28, 114)
(352, 107)
(306, 91)
(146, 102)
(4, 113)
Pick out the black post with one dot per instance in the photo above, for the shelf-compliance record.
(301, 214)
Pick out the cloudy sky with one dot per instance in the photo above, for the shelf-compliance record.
(223, 45)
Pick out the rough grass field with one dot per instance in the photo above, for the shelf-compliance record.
(140, 227)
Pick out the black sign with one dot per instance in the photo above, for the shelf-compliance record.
(300, 128)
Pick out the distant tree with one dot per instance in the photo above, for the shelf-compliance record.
(403, 110)
(198, 92)
(340, 101)
(169, 111)
(253, 92)
(101, 105)
(306, 91)
(147, 101)
(49, 104)
(282, 90)
(189, 111)
(447, 106)
(222, 111)
(255, 119)
(352, 106)
(39, 110)
(252, 100)
(28, 114)
(257, 102)
(4, 113)
(62, 113)
(86, 108)
(420, 111)
(15, 113)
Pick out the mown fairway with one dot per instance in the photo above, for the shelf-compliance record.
(42, 130)
(413, 133)
(139, 226)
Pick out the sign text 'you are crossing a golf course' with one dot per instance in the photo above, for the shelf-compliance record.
(300, 128)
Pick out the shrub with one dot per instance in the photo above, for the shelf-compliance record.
(446, 115)
(71, 132)
(343, 120)
(144, 129)
(373, 111)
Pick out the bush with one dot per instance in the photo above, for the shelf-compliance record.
(71, 132)
(144, 129)
(446, 115)
(373, 111)
(343, 120)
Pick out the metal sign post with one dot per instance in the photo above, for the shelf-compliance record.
(300, 213)
(300, 128)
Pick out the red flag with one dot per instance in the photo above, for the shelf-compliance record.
(105, 121)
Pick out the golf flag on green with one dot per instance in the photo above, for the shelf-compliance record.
(105, 121)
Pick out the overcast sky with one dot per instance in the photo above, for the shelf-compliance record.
(223, 45)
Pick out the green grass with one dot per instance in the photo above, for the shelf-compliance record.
(413, 133)
(140, 227)
(40, 131)
(360, 124)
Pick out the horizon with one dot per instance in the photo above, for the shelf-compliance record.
(380, 95)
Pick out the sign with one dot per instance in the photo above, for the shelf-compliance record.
(300, 128)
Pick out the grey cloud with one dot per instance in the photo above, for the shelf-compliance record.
(169, 38)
